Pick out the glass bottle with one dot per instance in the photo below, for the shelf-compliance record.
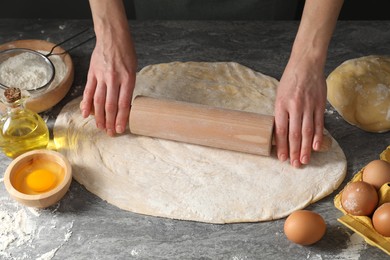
(22, 130)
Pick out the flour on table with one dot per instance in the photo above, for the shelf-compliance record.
(21, 228)
(183, 181)
(355, 246)
(26, 71)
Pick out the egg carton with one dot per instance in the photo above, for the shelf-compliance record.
(362, 225)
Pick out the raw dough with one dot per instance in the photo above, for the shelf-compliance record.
(359, 89)
(190, 182)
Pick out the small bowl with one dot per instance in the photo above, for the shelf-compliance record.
(52, 96)
(23, 178)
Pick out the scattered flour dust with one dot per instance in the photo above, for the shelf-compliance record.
(355, 246)
(331, 112)
(21, 230)
(27, 71)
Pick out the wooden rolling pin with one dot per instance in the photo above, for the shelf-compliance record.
(203, 125)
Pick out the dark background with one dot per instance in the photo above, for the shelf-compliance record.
(79, 9)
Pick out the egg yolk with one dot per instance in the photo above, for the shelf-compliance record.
(40, 180)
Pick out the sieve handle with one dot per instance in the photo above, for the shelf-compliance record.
(73, 47)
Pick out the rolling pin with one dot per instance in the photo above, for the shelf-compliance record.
(204, 125)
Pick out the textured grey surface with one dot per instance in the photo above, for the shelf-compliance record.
(82, 226)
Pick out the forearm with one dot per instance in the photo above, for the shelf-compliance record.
(315, 30)
(109, 19)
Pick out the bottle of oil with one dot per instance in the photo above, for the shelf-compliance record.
(22, 130)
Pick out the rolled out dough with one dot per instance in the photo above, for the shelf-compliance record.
(190, 182)
(359, 89)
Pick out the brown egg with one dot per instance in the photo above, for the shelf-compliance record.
(359, 198)
(377, 173)
(304, 227)
(381, 219)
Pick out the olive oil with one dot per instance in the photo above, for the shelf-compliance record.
(22, 130)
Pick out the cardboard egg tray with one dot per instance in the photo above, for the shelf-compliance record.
(362, 225)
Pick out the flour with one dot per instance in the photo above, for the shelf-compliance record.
(27, 71)
(21, 229)
(16, 230)
(355, 246)
(49, 255)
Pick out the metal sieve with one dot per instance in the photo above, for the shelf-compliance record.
(38, 60)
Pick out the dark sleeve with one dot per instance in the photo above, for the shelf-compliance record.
(215, 9)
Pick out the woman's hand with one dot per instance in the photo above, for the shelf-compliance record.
(301, 96)
(111, 76)
(299, 113)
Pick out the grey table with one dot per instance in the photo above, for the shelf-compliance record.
(82, 226)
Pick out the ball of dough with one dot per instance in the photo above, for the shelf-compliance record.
(359, 89)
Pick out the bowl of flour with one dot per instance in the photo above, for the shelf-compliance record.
(32, 74)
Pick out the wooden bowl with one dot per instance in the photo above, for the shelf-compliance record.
(17, 174)
(46, 99)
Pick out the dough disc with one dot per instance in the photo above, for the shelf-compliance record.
(359, 89)
(190, 182)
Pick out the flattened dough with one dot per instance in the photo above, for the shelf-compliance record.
(359, 89)
(190, 182)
